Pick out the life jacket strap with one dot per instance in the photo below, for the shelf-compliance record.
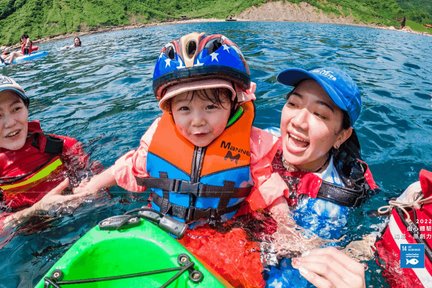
(191, 213)
(344, 196)
(51, 145)
(196, 189)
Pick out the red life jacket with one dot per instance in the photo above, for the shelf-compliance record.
(27, 174)
(403, 230)
(28, 50)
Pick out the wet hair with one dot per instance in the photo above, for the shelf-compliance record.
(213, 95)
(24, 36)
(78, 40)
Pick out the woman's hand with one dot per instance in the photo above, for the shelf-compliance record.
(329, 267)
(53, 200)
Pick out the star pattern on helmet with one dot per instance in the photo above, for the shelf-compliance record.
(226, 47)
(167, 62)
(181, 66)
(214, 56)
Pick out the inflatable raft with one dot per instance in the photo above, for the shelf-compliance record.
(25, 58)
(129, 251)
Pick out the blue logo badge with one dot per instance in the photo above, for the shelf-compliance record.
(412, 256)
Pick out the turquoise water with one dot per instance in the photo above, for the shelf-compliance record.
(102, 95)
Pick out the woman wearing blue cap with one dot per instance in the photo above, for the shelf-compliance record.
(315, 177)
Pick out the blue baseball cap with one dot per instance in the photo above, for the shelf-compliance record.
(338, 85)
(8, 84)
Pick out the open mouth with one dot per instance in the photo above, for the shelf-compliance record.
(297, 141)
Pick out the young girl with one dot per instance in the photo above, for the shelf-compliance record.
(197, 156)
(34, 166)
(317, 175)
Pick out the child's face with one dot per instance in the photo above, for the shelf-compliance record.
(13, 121)
(198, 119)
(310, 125)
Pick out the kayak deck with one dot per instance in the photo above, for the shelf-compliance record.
(141, 256)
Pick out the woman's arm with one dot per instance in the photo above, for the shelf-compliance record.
(52, 200)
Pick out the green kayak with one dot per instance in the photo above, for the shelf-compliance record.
(128, 251)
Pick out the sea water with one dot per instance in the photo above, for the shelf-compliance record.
(102, 95)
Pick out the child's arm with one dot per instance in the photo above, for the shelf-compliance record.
(268, 186)
(98, 182)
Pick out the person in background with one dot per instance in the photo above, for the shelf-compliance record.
(26, 45)
(77, 43)
(4, 56)
(27, 48)
(317, 175)
(35, 167)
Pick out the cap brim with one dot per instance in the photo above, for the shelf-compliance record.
(293, 76)
(180, 88)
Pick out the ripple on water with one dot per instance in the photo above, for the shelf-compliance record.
(102, 94)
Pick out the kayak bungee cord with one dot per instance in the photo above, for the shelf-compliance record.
(55, 279)
(130, 219)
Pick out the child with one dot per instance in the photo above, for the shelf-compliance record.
(317, 175)
(197, 156)
(34, 166)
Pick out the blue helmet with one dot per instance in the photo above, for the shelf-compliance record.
(196, 56)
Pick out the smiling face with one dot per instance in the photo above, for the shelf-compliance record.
(13, 121)
(199, 117)
(311, 124)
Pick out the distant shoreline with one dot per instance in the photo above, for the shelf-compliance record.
(128, 27)
(269, 12)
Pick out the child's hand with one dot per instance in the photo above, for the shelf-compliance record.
(329, 267)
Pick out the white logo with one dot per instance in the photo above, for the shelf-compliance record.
(325, 73)
(412, 261)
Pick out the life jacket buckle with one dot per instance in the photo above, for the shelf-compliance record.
(190, 188)
(175, 185)
(213, 217)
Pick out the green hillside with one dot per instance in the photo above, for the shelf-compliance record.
(41, 18)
